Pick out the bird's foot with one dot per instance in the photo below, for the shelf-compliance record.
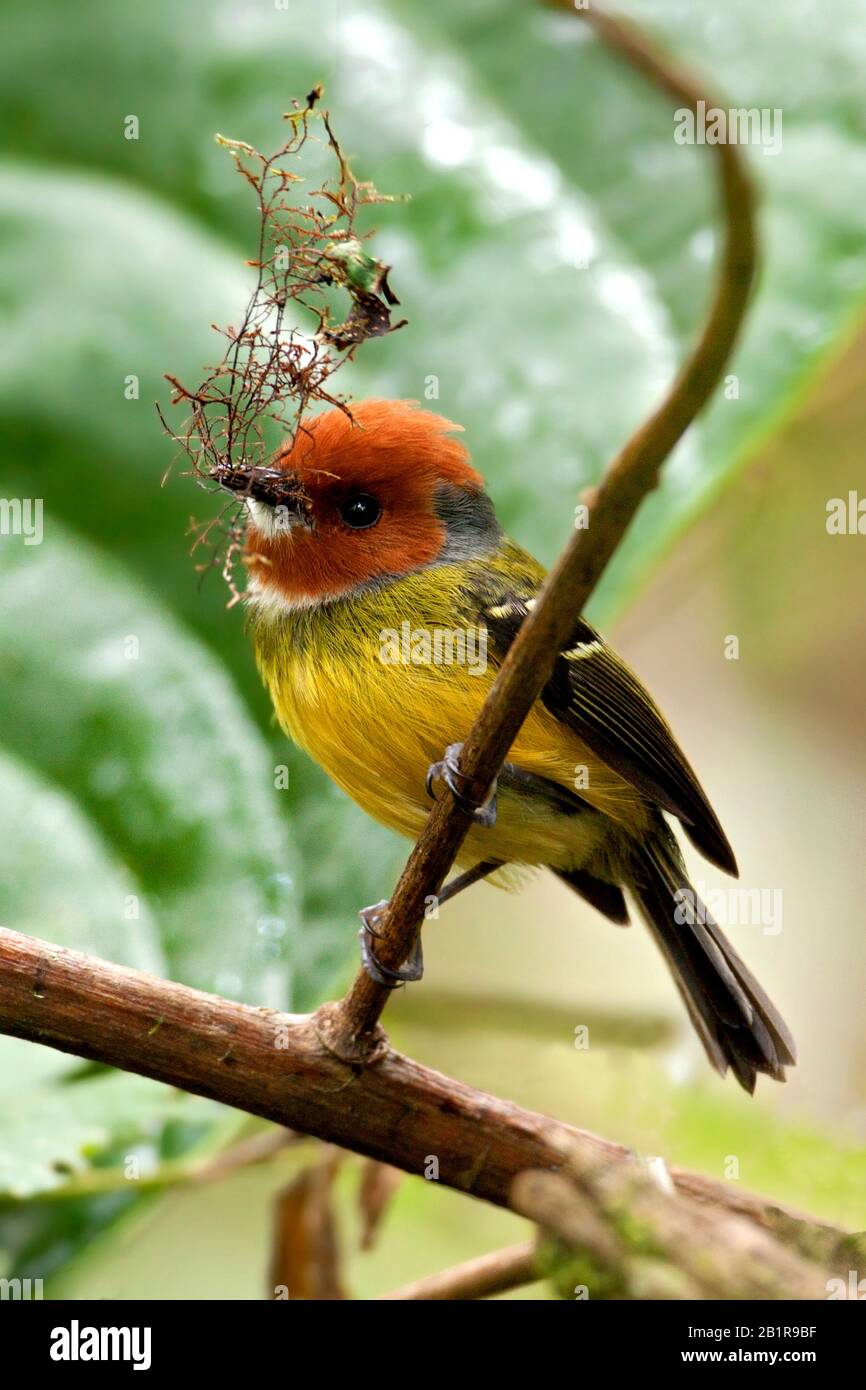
(409, 973)
(478, 802)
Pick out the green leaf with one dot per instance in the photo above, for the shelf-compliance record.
(140, 288)
(90, 900)
(54, 1132)
(606, 132)
(122, 708)
(157, 843)
(83, 903)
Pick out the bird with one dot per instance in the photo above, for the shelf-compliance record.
(383, 596)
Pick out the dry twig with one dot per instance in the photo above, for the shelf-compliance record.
(272, 371)
(482, 1278)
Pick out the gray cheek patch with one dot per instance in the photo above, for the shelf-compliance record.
(470, 522)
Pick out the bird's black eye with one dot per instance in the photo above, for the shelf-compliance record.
(360, 511)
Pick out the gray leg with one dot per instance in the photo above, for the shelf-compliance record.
(468, 798)
(413, 969)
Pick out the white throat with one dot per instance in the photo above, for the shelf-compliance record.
(273, 521)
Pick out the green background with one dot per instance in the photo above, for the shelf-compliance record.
(554, 262)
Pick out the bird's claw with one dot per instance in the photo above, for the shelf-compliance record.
(372, 917)
(477, 802)
(409, 973)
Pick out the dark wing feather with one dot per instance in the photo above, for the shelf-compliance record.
(595, 694)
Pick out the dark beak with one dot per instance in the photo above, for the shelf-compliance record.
(272, 486)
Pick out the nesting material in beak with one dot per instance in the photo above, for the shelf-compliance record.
(269, 487)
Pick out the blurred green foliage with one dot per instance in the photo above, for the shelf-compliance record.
(554, 262)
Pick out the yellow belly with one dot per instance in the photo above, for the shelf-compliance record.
(376, 723)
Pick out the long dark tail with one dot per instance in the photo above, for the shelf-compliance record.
(738, 1025)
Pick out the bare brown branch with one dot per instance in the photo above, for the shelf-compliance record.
(482, 1278)
(281, 1067)
(390, 1108)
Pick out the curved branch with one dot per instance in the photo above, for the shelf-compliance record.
(631, 475)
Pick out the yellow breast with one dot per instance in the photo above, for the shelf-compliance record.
(375, 696)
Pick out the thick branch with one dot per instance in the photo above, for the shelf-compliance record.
(633, 473)
(281, 1067)
(635, 1240)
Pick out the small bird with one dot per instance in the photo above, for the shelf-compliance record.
(383, 596)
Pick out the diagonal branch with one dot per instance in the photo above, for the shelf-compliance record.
(631, 475)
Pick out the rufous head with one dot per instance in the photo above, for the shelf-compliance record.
(359, 498)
